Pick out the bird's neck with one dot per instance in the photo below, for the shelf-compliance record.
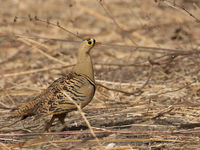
(84, 66)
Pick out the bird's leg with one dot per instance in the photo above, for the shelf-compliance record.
(61, 118)
(48, 125)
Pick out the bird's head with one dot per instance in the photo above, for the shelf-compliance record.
(87, 45)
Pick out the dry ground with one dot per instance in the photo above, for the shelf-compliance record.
(148, 62)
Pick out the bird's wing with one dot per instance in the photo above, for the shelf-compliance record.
(59, 96)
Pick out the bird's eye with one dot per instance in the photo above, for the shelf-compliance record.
(90, 43)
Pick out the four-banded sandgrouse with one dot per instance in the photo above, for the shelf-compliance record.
(79, 85)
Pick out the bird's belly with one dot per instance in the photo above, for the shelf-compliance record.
(88, 98)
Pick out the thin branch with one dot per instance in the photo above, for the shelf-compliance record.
(34, 71)
(123, 32)
(86, 132)
(1, 127)
(136, 92)
(54, 24)
(182, 9)
(165, 111)
(120, 91)
(149, 77)
(114, 83)
(122, 65)
(178, 89)
(31, 42)
(123, 47)
(4, 146)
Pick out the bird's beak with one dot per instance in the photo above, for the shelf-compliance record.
(97, 43)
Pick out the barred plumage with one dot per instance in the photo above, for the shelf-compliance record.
(79, 85)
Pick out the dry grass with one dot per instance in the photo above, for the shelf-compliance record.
(147, 71)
